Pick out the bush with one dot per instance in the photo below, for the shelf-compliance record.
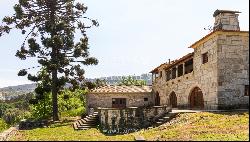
(72, 103)
(12, 116)
(4, 107)
(69, 104)
(74, 112)
(3, 125)
(43, 108)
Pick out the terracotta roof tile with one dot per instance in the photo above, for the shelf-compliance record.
(122, 89)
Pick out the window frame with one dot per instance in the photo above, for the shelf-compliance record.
(246, 90)
(205, 58)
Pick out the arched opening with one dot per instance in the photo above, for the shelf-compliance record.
(173, 100)
(196, 100)
(157, 99)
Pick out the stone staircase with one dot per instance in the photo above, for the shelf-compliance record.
(163, 119)
(88, 122)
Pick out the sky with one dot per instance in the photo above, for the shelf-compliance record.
(134, 36)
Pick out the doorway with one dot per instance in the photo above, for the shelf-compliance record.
(196, 100)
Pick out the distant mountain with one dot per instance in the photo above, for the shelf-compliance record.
(114, 80)
(10, 92)
(7, 93)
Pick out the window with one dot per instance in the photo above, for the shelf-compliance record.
(246, 90)
(204, 58)
(168, 75)
(180, 70)
(188, 66)
(145, 99)
(160, 74)
(119, 102)
(173, 73)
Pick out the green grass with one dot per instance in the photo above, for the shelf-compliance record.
(3, 125)
(188, 126)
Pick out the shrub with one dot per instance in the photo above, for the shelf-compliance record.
(69, 104)
(12, 116)
(74, 112)
(4, 107)
(42, 109)
(3, 125)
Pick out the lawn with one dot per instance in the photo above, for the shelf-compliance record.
(226, 126)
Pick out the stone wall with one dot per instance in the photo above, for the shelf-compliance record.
(222, 79)
(233, 69)
(4, 136)
(129, 119)
(227, 21)
(132, 99)
(203, 76)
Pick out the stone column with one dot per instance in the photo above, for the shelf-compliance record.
(176, 72)
(183, 68)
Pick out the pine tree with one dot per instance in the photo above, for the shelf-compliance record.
(50, 27)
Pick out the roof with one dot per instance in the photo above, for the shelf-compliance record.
(215, 31)
(187, 56)
(217, 12)
(114, 89)
(156, 69)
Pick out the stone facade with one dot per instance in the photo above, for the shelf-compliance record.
(134, 96)
(222, 79)
(105, 100)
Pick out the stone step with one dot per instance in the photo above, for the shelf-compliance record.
(166, 117)
(80, 122)
(75, 126)
(83, 128)
(91, 117)
(79, 127)
(139, 138)
(161, 120)
(88, 125)
(87, 122)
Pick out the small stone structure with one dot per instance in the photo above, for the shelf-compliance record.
(115, 120)
(112, 96)
(214, 76)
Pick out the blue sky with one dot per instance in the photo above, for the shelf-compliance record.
(134, 36)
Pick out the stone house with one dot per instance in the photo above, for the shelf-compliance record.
(214, 76)
(114, 96)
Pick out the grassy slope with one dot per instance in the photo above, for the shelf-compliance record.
(3, 125)
(187, 126)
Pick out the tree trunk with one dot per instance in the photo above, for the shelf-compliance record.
(54, 95)
(52, 5)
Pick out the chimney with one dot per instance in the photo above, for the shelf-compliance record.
(226, 20)
(168, 61)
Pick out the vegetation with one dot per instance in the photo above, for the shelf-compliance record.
(187, 126)
(3, 125)
(131, 81)
(69, 104)
(12, 111)
(52, 26)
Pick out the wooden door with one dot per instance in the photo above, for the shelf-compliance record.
(157, 99)
(173, 100)
(196, 99)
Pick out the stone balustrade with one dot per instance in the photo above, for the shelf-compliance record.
(129, 119)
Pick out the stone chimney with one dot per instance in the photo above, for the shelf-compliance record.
(226, 20)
